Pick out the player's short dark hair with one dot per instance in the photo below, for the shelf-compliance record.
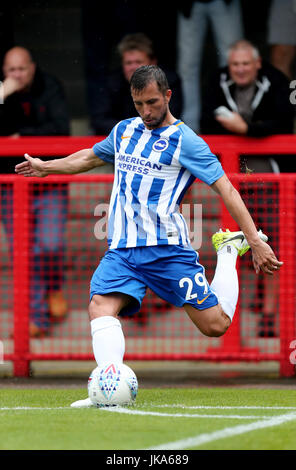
(147, 74)
(136, 42)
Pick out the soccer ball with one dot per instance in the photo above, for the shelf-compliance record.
(112, 384)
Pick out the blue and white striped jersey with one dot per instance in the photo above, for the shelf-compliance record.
(152, 171)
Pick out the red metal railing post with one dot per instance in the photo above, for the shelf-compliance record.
(230, 343)
(21, 275)
(230, 163)
(231, 340)
(287, 291)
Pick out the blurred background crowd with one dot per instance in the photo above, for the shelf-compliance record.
(82, 45)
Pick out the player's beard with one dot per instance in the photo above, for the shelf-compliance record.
(155, 123)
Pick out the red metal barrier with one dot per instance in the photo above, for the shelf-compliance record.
(158, 332)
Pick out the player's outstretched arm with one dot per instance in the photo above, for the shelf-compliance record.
(263, 256)
(78, 162)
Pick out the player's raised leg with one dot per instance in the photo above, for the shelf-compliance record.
(225, 283)
(215, 321)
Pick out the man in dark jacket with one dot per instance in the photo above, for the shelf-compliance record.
(135, 50)
(34, 102)
(35, 105)
(256, 98)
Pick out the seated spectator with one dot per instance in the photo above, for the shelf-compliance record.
(256, 98)
(135, 50)
(35, 105)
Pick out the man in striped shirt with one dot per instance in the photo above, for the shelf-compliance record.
(156, 158)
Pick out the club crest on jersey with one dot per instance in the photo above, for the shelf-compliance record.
(160, 145)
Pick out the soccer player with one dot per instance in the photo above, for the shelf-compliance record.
(156, 158)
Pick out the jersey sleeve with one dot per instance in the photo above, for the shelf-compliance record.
(197, 158)
(105, 149)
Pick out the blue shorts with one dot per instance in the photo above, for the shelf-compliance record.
(171, 271)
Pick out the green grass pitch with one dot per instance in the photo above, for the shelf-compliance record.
(164, 418)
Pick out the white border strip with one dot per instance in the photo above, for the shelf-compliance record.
(201, 439)
(178, 415)
(204, 407)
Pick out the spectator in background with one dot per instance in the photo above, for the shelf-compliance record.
(135, 50)
(255, 101)
(282, 34)
(103, 26)
(251, 98)
(35, 105)
(226, 22)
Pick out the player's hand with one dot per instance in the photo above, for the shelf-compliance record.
(31, 167)
(264, 259)
(234, 124)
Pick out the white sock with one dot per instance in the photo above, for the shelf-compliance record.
(107, 340)
(225, 282)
